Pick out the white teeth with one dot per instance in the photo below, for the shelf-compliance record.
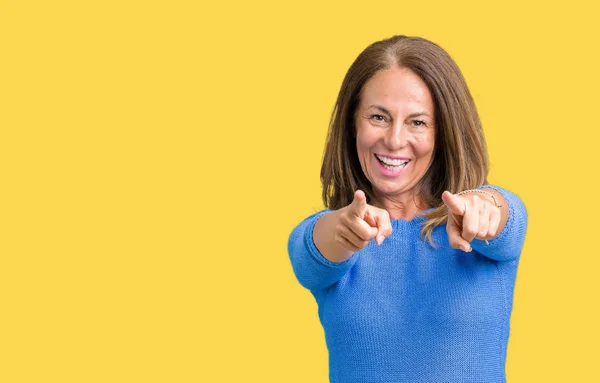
(394, 168)
(392, 162)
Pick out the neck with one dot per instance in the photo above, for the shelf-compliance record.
(403, 206)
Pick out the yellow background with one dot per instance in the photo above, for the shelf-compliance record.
(155, 155)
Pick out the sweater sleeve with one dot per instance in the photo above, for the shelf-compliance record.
(508, 244)
(312, 269)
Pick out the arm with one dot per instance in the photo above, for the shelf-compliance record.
(508, 242)
(323, 247)
(324, 237)
(312, 269)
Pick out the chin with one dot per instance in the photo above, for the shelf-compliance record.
(394, 188)
(389, 190)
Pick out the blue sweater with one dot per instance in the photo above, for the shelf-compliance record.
(406, 312)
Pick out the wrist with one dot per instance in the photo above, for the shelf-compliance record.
(482, 193)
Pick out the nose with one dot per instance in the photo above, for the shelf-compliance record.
(396, 137)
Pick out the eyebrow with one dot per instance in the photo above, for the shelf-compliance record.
(413, 115)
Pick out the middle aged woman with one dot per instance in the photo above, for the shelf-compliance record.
(413, 263)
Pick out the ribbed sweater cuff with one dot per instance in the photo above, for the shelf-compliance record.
(312, 248)
(507, 244)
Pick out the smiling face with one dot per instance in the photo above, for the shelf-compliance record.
(395, 132)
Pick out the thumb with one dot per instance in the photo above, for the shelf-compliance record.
(455, 236)
(384, 227)
(454, 203)
(359, 204)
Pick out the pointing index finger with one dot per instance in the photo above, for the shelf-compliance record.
(454, 203)
(359, 204)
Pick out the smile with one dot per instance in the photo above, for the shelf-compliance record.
(393, 164)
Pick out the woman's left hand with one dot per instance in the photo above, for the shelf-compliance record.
(470, 216)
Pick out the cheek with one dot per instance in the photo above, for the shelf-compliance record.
(363, 142)
(366, 138)
(425, 143)
(362, 149)
(364, 145)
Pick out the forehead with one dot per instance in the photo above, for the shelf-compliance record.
(396, 87)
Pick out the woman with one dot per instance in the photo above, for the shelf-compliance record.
(413, 263)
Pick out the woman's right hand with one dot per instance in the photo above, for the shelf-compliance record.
(359, 223)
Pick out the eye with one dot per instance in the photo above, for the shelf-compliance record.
(377, 117)
(418, 123)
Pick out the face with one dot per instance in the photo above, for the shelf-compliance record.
(395, 132)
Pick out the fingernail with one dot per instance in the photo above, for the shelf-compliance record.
(380, 239)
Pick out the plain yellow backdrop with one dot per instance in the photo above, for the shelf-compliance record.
(155, 155)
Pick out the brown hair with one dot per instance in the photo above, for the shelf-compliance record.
(460, 159)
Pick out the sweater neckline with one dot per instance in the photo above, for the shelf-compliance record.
(416, 219)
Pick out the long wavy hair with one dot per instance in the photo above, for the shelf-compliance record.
(460, 159)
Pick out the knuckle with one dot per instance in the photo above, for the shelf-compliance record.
(343, 218)
(485, 208)
(338, 238)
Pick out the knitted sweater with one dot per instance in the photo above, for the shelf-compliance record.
(404, 311)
